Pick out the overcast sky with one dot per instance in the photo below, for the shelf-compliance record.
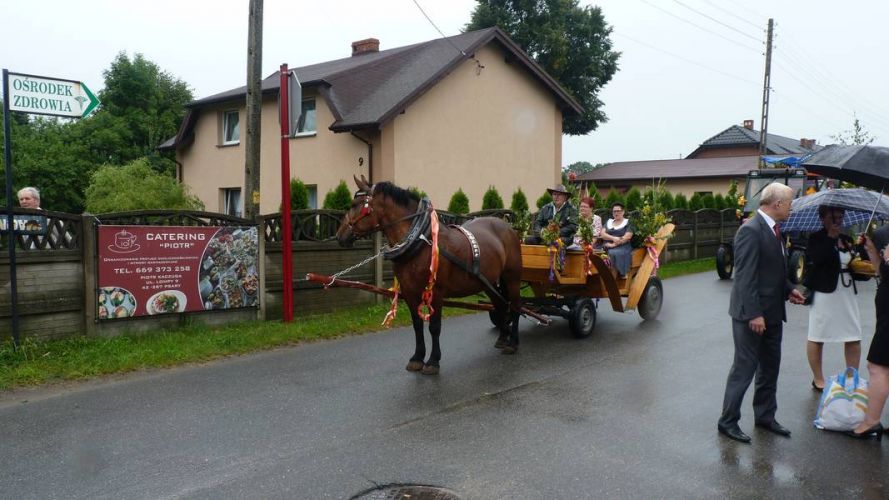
(689, 69)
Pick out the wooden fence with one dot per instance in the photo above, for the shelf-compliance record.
(56, 273)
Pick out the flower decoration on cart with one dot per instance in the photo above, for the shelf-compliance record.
(647, 222)
(551, 238)
(588, 235)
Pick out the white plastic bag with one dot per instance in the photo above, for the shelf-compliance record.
(843, 402)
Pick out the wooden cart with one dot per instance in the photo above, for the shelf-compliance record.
(572, 292)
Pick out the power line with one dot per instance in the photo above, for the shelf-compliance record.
(720, 35)
(751, 23)
(479, 65)
(686, 59)
(717, 21)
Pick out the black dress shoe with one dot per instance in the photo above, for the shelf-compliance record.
(816, 388)
(875, 432)
(734, 433)
(775, 427)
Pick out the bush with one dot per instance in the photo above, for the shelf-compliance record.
(339, 198)
(299, 195)
(633, 200)
(492, 199)
(544, 199)
(593, 192)
(417, 191)
(459, 203)
(667, 200)
(695, 202)
(718, 201)
(519, 203)
(137, 186)
(613, 197)
(680, 202)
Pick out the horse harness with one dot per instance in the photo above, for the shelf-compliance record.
(473, 270)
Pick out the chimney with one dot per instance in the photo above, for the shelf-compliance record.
(807, 143)
(365, 46)
(748, 124)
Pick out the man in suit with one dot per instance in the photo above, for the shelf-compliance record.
(757, 309)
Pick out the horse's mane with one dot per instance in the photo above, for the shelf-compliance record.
(400, 196)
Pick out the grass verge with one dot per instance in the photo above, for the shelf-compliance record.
(76, 358)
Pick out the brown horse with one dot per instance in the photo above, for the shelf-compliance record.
(402, 217)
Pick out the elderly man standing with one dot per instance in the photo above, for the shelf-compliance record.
(757, 309)
(562, 211)
(29, 197)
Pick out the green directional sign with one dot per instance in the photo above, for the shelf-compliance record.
(50, 96)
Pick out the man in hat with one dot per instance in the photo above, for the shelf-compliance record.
(560, 210)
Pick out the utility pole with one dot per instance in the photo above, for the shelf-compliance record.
(766, 86)
(254, 110)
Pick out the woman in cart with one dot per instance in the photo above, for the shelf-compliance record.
(617, 235)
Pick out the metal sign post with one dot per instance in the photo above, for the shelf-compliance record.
(288, 83)
(36, 95)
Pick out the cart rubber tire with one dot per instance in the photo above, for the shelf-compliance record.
(652, 299)
(725, 262)
(583, 318)
(796, 266)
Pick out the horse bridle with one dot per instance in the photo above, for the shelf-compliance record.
(367, 210)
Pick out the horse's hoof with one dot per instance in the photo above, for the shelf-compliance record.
(414, 366)
(430, 370)
(509, 350)
(500, 344)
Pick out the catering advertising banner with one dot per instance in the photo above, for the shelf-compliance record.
(148, 270)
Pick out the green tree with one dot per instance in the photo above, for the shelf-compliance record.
(593, 192)
(519, 204)
(459, 203)
(732, 196)
(680, 202)
(544, 199)
(299, 195)
(854, 136)
(719, 201)
(492, 199)
(633, 199)
(417, 191)
(695, 202)
(570, 42)
(339, 198)
(136, 186)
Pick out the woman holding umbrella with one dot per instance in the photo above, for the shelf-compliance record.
(834, 315)
(878, 355)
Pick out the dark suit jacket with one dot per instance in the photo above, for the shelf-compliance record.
(823, 261)
(760, 285)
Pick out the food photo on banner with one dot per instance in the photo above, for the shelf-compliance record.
(25, 224)
(149, 270)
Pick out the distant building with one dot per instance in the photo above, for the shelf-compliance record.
(710, 168)
(469, 111)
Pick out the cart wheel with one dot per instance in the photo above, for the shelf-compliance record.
(652, 299)
(725, 262)
(796, 266)
(583, 318)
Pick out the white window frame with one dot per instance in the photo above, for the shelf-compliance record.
(225, 201)
(302, 119)
(312, 190)
(225, 121)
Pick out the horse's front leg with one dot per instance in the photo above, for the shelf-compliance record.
(416, 362)
(432, 367)
(513, 346)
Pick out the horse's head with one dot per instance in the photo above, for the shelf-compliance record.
(360, 220)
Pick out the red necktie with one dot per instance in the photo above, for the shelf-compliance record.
(777, 231)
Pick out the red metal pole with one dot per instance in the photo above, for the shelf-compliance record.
(286, 230)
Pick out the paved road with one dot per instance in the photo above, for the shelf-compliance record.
(628, 413)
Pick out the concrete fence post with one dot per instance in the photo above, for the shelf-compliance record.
(90, 286)
(260, 266)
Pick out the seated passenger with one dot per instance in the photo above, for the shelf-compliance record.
(617, 235)
(588, 217)
(560, 210)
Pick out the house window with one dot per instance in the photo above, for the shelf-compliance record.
(306, 124)
(231, 201)
(231, 128)
(313, 196)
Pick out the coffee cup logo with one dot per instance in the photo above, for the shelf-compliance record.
(124, 241)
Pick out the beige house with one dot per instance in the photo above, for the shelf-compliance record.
(469, 111)
(727, 156)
